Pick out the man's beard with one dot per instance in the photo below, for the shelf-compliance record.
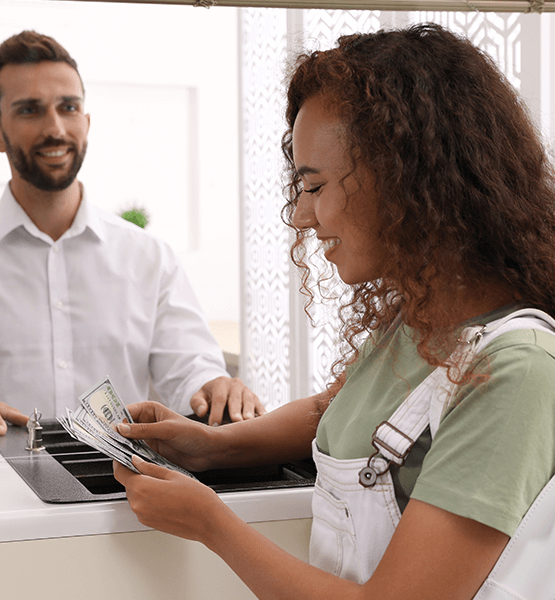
(31, 172)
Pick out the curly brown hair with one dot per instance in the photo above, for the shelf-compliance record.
(466, 189)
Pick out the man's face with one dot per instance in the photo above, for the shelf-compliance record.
(43, 127)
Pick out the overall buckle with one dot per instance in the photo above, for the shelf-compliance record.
(368, 476)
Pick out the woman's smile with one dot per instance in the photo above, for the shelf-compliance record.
(328, 244)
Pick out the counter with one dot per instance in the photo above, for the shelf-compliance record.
(99, 550)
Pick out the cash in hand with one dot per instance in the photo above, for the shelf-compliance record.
(94, 423)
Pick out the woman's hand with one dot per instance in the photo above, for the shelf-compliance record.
(282, 435)
(181, 440)
(169, 501)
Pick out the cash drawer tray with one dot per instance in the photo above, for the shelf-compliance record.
(69, 471)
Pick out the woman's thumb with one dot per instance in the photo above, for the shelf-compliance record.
(135, 430)
(148, 468)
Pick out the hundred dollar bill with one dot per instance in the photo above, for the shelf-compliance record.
(94, 423)
(82, 434)
(86, 429)
(104, 405)
(103, 402)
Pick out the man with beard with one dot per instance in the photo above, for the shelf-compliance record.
(84, 293)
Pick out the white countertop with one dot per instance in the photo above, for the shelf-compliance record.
(23, 516)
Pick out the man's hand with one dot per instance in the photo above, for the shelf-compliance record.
(12, 415)
(215, 395)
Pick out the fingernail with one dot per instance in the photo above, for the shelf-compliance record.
(124, 429)
(215, 424)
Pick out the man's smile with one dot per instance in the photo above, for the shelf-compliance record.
(52, 153)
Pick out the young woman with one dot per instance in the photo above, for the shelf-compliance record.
(417, 168)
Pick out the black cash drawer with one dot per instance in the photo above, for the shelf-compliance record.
(69, 471)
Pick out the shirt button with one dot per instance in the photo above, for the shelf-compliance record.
(62, 364)
(59, 304)
(55, 249)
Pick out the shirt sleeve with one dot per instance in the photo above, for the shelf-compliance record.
(184, 353)
(494, 451)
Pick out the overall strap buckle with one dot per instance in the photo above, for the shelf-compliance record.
(477, 333)
(368, 476)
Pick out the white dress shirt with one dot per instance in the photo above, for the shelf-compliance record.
(106, 299)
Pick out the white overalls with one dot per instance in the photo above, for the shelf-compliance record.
(354, 508)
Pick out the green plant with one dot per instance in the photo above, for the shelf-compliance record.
(137, 215)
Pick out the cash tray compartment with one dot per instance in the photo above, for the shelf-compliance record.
(68, 471)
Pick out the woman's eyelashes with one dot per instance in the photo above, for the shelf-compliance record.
(313, 190)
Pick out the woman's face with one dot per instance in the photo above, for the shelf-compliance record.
(339, 204)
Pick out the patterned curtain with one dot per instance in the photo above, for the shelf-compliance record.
(265, 318)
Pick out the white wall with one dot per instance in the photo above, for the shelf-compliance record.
(161, 88)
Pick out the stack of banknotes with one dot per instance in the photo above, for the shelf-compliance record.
(94, 423)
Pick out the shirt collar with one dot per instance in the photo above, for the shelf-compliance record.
(87, 217)
(13, 216)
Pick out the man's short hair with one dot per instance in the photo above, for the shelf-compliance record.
(32, 47)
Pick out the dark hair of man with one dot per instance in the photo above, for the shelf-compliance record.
(466, 192)
(32, 47)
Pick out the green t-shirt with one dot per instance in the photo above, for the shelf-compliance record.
(494, 450)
